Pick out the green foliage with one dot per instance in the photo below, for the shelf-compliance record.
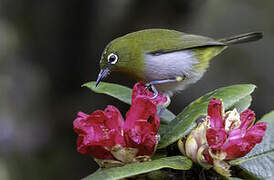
(260, 161)
(243, 104)
(235, 95)
(115, 90)
(174, 162)
(123, 94)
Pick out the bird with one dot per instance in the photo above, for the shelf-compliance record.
(168, 61)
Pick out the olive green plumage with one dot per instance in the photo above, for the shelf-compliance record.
(140, 55)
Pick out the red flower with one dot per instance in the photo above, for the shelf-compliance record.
(141, 126)
(102, 132)
(221, 137)
(99, 131)
(140, 90)
(234, 136)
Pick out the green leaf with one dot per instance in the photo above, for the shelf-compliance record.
(185, 121)
(115, 90)
(243, 104)
(260, 161)
(123, 94)
(167, 116)
(174, 162)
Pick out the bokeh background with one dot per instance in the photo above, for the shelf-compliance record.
(49, 48)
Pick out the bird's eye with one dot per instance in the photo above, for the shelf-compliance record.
(112, 58)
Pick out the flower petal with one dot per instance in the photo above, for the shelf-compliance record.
(207, 156)
(140, 89)
(216, 137)
(192, 147)
(96, 151)
(237, 148)
(247, 119)
(255, 134)
(114, 118)
(85, 125)
(215, 113)
(142, 109)
(142, 125)
(238, 145)
(110, 121)
(232, 120)
(95, 136)
(143, 137)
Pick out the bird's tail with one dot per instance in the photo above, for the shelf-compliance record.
(242, 38)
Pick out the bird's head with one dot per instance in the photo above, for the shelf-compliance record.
(119, 55)
(110, 60)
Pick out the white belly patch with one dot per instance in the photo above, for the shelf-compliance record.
(170, 65)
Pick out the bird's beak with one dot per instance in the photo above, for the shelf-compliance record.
(103, 73)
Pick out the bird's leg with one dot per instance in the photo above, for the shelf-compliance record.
(152, 83)
(175, 79)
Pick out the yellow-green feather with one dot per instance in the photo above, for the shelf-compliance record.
(204, 55)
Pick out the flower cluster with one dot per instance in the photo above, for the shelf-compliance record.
(111, 140)
(115, 141)
(222, 137)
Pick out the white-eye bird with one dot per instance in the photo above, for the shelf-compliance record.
(167, 60)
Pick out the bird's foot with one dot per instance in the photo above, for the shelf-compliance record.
(152, 83)
(154, 90)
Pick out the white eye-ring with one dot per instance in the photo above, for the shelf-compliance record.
(112, 58)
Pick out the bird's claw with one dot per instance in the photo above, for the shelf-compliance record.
(155, 95)
(154, 90)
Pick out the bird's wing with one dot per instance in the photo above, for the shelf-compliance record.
(165, 42)
(163, 45)
(159, 41)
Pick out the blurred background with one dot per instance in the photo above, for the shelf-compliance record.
(49, 48)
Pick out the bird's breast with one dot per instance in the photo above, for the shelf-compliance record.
(170, 65)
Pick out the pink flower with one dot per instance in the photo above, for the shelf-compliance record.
(222, 136)
(99, 131)
(105, 135)
(139, 90)
(236, 136)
